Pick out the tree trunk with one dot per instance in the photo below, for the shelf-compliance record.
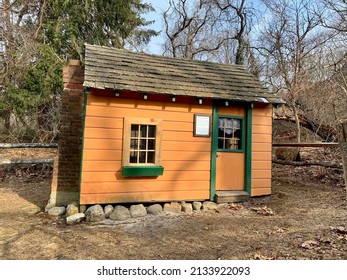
(335, 165)
(342, 129)
(297, 122)
(7, 119)
(324, 131)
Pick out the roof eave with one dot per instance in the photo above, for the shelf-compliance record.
(251, 99)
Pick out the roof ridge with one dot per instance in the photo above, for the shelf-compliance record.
(193, 61)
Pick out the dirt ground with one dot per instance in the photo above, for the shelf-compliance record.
(304, 218)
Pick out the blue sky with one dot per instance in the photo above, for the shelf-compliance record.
(155, 46)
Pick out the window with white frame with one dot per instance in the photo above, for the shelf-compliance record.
(142, 141)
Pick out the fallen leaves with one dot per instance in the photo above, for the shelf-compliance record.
(340, 230)
(263, 210)
(277, 229)
(330, 242)
(310, 244)
(258, 256)
(235, 206)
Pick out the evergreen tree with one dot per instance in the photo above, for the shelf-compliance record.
(38, 36)
(69, 24)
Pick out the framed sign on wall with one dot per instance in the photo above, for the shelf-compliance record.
(202, 125)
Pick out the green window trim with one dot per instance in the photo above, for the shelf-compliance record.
(214, 150)
(84, 112)
(248, 149)
(248, 162)
(142, 171)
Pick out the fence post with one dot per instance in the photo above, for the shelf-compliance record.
(342, 133)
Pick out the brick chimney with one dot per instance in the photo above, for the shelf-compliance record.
(66, 174)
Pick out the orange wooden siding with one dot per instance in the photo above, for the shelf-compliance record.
(261, 149)
(186, 159)
(231, 111)
(230, 174)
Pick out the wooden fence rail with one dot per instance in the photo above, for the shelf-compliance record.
(53, 145)
(285, 162)
(30, 160)
(336, 165)
(27, 161)
(308, 145)
(28, 145)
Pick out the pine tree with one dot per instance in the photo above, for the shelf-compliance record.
(38, 36)
(69, 24)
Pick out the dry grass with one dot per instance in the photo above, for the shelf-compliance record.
(302, 211)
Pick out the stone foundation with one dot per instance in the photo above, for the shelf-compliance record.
(120, 213)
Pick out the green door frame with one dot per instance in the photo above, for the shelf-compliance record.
(248, 149)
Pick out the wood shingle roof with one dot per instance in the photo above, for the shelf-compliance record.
(111, 68)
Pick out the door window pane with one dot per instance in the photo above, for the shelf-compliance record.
(229, 133)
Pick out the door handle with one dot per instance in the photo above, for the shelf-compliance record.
(217, 155)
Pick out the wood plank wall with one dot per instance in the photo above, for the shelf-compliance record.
(186, 159)
(261, 149)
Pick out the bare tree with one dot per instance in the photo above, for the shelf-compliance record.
(337, 18)
(20, 53)
(237, 13)
(207, 29)
(337, 21)
(189, 29)
(17, 47)
(288, 45)
(339, 83)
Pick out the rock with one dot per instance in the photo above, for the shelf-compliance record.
(187, 208)
(137, 211)
(197, 205)
(209, 205)
(173, 207)
(56, 211)
(95, 213)
(83, 208)
(154, 209)
(75, 218)
(120, 213)
(108, 210)
(287, 153)
(71, 209)
(49, 206)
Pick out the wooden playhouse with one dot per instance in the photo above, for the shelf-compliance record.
(158, 129)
